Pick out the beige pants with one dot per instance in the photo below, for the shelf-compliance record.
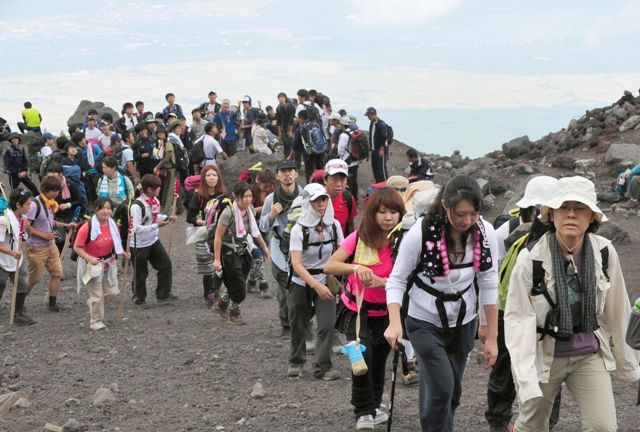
(590, 386)
(98, 290)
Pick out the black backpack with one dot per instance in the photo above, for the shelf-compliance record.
(182, 158)
(197, 151)
(389, 134)
(122, 215)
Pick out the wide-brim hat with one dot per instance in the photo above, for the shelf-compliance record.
(577, 189)
(538, 190)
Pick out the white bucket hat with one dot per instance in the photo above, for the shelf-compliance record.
(538, 190)
(573, 189)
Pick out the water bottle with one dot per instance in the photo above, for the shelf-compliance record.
(636, 307)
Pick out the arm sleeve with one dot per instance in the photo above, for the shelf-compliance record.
(408, 259)
(488, 280)
(264, 224)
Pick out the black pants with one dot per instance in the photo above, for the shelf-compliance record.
(312, 162)
(229, 147)
(235, 271)
(160, 261)
(379, 165)
(208, 285)
(501, 392)
(352, 181)
(14, 182)
(367, 389)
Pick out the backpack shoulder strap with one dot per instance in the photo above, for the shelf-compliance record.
(141, 205)
(305, 237)
(604, 253)
(514, 222)
(38, 206)
(348, 200)
(335, 235)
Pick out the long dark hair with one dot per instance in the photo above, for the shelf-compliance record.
(369, 231)
(458, 189)
(203, 190)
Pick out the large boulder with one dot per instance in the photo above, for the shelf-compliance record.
(82, 111)
(239, 162)
(614, 232)
(495, 186)
(517, 147)
(620, 152)
(630, 123)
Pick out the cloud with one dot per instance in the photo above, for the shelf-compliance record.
(398, 12)
(348, 84)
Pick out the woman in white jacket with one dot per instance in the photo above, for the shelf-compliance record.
(567, 304)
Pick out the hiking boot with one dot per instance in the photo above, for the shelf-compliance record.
(252, 286)
(141, 304)
(20, 319)
(294, 370)
(285, 333)
(365, 422)
(264, 294)
(410, 378)
(235, 317)
(380, 417)
(99, 325)
(222, 307)
(168, 299)
(330, 375)
(210, 299)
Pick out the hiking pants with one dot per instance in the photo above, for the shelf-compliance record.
(312, 162)
(300, 300)
(379, 165)
(14, 182)
(367, 389)
(9, 276)
(352, 181)
(281, 277)
(229, 147)
(160, 261)
(235, 270)
(441, 371)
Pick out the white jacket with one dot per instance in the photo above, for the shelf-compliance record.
(531, 358)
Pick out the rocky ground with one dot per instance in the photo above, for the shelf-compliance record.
(180, 368)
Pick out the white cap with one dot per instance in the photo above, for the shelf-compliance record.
(573, 189)
(313, 191)
(336, 166)
(345, 120)
(334, 116)
(538, 190)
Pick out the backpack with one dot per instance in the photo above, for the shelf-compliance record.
(285, 238)
(314, 114)
(389, 134)
(539, 287)
(313, 139)
(35, 161)
(56, 156)
(122, 215)
(72, 238)
(214, 208)
(182, 158)
(197, 152)
(358, 146)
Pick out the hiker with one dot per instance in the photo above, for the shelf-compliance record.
(263, 185)
(139, 112)
(89, 156)
(197, 125)
(211, 187)
(345, 208)
(145, 244)
(312, 161)
(113, 184)
(371, 250)
(419, 166)
(236, 234)
(105, 138)
(11, 258)
(145, 161)
(16, 164)
(210, 108)
(171, 108)
(274, 217)
(167, 168)
(47, 146)
(285, 112)
(128, 121)
(444, 256)
(260, 136)
(378, 143)
(210, 146)
(68, 200)
(32, 119)
(250, 115)
(566, 306)
(126, 161)
(91, 132)
(226, 120)
(42, 252)
(97, 244)
(344, 154)
(501, 391)
(314, 238)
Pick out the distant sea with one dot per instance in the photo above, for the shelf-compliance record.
(475, 132)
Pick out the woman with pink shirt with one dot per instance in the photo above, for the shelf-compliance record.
(366, 257)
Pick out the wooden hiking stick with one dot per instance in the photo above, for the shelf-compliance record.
(176, 196)
(16, 275)
(67, 244)
(126, 276)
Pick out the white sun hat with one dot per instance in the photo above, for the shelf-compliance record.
(538, 190)
(573, 189)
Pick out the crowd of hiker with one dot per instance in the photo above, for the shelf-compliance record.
(421, 276)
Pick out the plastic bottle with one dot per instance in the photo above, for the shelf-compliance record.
(637, 305)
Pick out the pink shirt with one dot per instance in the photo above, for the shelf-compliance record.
(383, 270)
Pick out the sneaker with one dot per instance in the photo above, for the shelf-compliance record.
(294, 370)
(99, 325)
(221, 306)
(252, 286)
(330, 375)
(380, 417)
(285, 333)
(235, 317)
(365, 422)
(20, 319)
(264, 294)
(141, 304)
(168, 299)
(410, 378)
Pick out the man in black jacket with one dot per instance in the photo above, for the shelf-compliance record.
(16, 165)
(378, 145)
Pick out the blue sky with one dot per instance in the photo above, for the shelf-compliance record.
(397, 55)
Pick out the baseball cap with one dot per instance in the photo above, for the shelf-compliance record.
(345, 120)
(336, 166)
(48, 136)
(91, 117)
(313, 191)
(286, 164)
(335, 116)
(370, 110)
(116, 138)
(246, 98)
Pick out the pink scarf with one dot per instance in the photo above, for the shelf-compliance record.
(241, 231)
(65, 194)
(155, 208)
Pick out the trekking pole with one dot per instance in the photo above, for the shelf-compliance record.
(67, 244)
(176, 195)
(396, 356)
(16, 276)
(126, 277)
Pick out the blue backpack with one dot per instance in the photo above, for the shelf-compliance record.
(313, 138)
